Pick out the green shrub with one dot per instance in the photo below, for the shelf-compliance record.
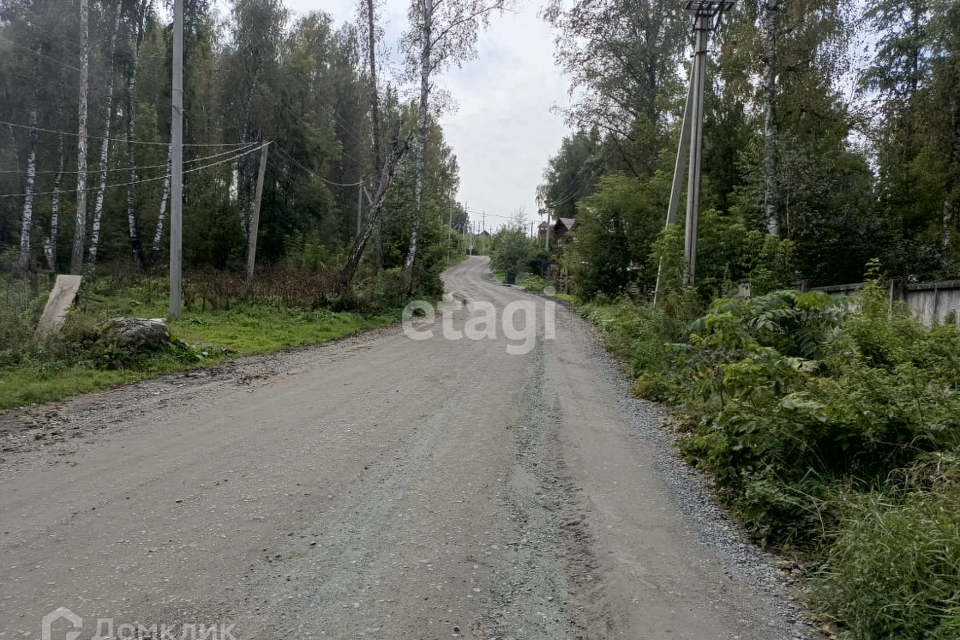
(831, 426)
(893, 566)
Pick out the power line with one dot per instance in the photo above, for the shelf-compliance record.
(127, 169)
(63, 64)
(574, 190)
(336, 184)
(127, 184)
(124, 140)
(329, 105)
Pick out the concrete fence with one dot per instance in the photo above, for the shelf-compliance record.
(932, 302)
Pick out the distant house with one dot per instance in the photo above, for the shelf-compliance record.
(542, 229)
(561, 228)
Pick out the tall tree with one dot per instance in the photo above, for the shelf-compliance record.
(442, 32)
(26, 226)
(138, 16)
(620, 55)
(105, 140)
(50, 243)
(771, 130)
(80, 228)
(571, 174)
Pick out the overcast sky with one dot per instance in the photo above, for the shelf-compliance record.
(502, 131)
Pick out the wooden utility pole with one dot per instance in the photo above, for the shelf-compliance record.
(255, 219)
(176, 164)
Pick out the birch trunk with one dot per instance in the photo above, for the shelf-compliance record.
(374, 96)
(374, 111)
(104, 146)
(26, 223)
(771, 136)
(420, 148)
(155, 249)
(373, 221)
(50, 245)
(133, 225)
(951, 202)
(80, 229)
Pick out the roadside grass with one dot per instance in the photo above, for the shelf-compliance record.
(35, 370)
(534, 283)
(38, 384)
(831, 432)
(252, 330)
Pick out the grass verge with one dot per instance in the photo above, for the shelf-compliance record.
(36, 371)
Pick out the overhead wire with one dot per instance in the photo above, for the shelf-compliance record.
(124, 140)
(127, 184)
(331, 182)
(127, 169)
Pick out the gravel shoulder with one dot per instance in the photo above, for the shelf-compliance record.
(379, 487)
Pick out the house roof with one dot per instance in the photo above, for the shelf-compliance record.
(543, 225)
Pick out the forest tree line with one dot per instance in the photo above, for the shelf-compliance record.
(354, 161)
(832, 137)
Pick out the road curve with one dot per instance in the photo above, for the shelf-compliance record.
(379, 487)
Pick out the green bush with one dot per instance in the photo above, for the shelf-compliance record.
(893, 566)
(830, 426)
(513, 251)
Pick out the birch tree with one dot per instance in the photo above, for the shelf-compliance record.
(771, 135)
(385, 166)
(80, 228)
(105, 143)
(397, 151)
(162, 216)
(136, 40)
(368, 15)
(442, 32)
(26, 225)
(50, 243)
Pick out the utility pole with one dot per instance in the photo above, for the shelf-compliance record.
(176, 164)
(449, 230)
(254, 230)
(707, 17)
(683, 150)
(359, 207)
(704, 25)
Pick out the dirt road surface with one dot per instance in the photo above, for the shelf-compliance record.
(379, 487)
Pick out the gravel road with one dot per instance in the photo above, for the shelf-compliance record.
(378, 487)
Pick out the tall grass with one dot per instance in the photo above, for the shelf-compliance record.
(19, 314)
